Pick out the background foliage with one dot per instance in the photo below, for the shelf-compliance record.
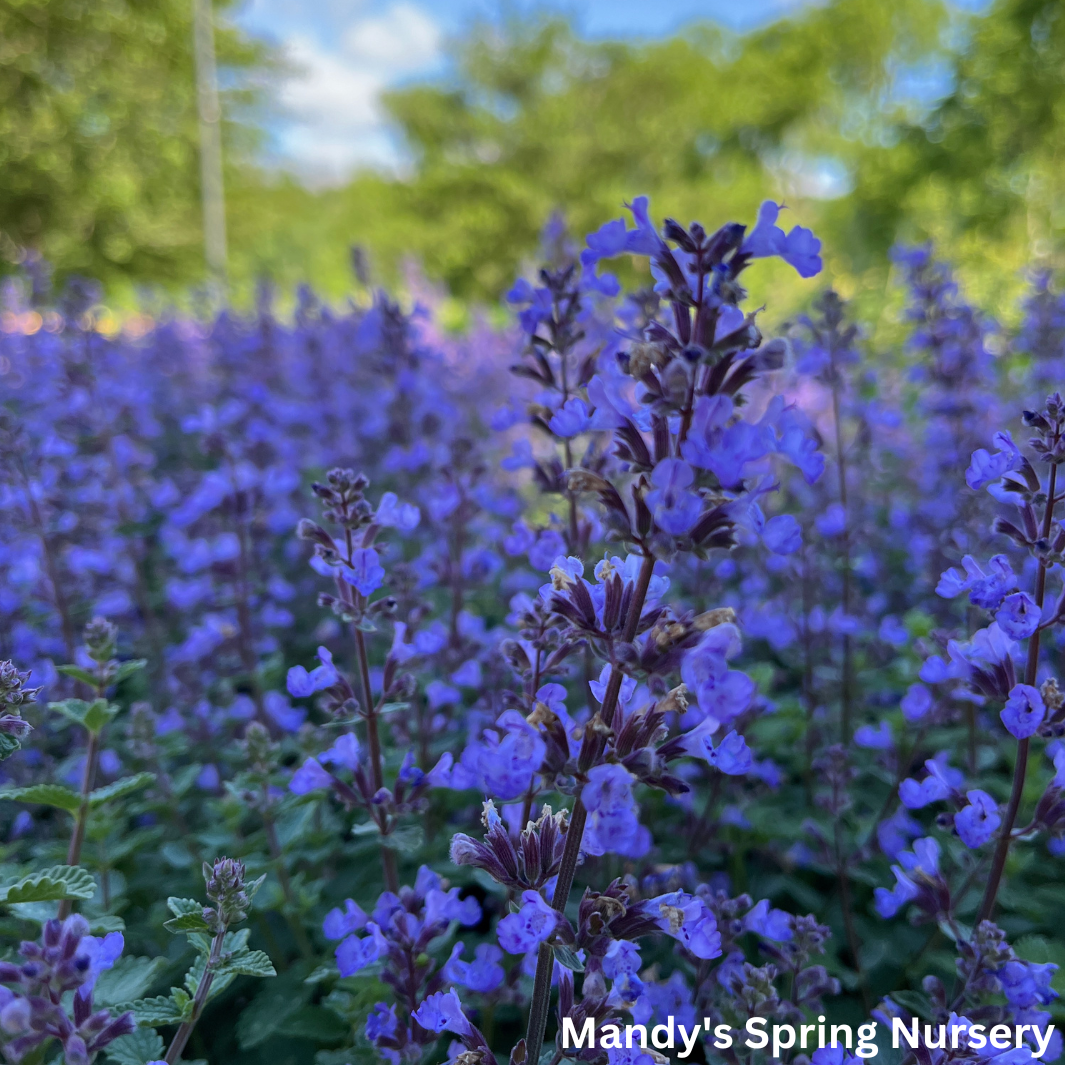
(917, 120)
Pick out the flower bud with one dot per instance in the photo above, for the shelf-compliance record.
(100, 639)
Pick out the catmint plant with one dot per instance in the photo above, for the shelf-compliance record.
(706, 626)
(687, 376)
(356, 567)
(34, 1010)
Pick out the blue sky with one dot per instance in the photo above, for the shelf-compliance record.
(344, 53)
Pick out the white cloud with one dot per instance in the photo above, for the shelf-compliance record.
(402, 40)
(335, 122)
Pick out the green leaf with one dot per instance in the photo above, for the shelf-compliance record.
(222, 980)
(92, 716)
(51, 885)
(179, 907)
(183, 1001)
(120, 788)
(137, 1048)
(37, 912)
(187, 922)
(158, 1011)
(188, 916)
(391, 708)
(253, 963)
(101, 925)
(566, 957)
(270, 1008)
(99, 713)
(1034, 948)
(917, 1002)
(78, 674)
(127, 669)
(177, 854)
(8, 745)
(200, 942)
(129, 978)
(963, 931)
(46, 794)
(251, 887)
(407, 840)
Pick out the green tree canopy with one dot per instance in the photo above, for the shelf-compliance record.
(98, 143)
(98, 135)
(708, 123)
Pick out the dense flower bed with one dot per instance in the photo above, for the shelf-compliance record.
(622, 665)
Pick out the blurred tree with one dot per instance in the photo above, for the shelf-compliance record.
(981, 172)
(535, 118)
(98, 147)
(98, 139)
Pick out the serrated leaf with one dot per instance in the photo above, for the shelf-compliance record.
(251, 887)
(129, 978)
(200, 942)
(1033, 948)
(222, 980)
(566, 957)
(137, 1048)
(120, 788)
(51, 885)
(46, 794)
(179, 907)
(158, 1011)
(187, 922)
(253, 963)
(127, 669)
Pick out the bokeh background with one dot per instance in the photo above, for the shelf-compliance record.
(445, 132)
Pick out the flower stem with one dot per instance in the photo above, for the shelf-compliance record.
(847, 678)
(77, 839)
(181, 1036)
(373, 740)
(541, 999)
(1020, 767)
